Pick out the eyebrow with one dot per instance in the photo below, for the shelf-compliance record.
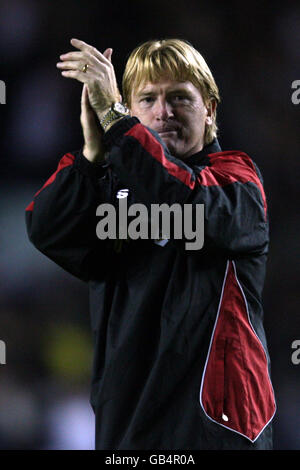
(145, 93)
(180, 90)
(152, 92)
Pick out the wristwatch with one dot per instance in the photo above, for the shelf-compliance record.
(116, 111)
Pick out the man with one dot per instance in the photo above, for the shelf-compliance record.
(181, 359)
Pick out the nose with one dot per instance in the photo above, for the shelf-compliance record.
(163, 110)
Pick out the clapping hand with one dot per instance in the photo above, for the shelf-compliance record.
(94, 69)
(99, 91)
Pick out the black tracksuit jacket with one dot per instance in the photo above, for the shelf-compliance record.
(180, 358)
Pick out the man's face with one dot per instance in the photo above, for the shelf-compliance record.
(176, 111)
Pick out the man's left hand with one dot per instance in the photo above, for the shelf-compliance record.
(99, 74)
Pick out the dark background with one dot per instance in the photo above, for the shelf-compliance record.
(253, 51)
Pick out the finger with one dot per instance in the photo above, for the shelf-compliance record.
(85, 104)
(83, 46)
(79, 44)
(72, 65)
(71, 55)
(84, 95)
(85, 98)
(80, 76)
(108, 53)
(78, 55)
(88, 117)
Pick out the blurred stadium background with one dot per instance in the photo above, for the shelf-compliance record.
(253, 51)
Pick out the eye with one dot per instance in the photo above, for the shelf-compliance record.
(179, 98)
(147, 99)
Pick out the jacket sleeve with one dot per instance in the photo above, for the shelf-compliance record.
(228, 184)
(61, 219)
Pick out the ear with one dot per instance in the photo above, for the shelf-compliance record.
(211, 109)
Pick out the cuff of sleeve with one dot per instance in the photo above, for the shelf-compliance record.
(116, 132)
(92, 170)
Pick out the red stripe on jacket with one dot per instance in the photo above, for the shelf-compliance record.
(227, 167)
(154, 148)
(66, 160)
(237, 390)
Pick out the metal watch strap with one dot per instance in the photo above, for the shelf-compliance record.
(109, 117)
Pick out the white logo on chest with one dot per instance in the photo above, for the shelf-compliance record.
(122, 193)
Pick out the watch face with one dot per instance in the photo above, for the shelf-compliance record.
(120, 108)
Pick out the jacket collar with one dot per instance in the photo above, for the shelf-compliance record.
(213, 147)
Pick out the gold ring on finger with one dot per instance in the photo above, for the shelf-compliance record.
(84, 68)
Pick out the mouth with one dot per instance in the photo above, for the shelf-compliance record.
(167, 131)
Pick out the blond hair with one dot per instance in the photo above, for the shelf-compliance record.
(176, 59)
